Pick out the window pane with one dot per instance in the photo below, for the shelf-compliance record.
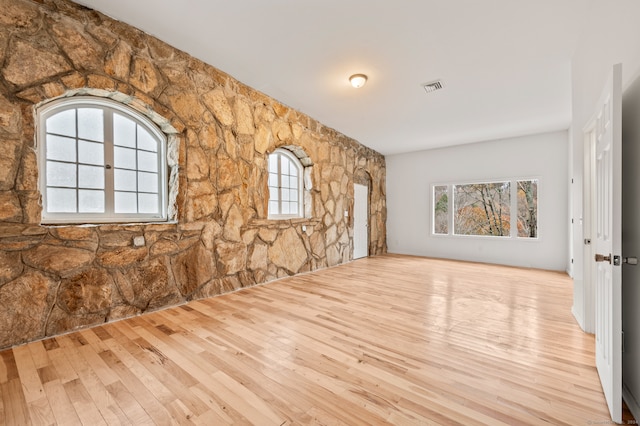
(124, 131)
(293, 182)
(284, 181)
(91, 153)
(293, 195)
(284, 165)
(148, 203)
(273, 193)
(146, 141)
(285, 194)
(62, 123)
(273, 163)
(273, 179)
(528, 208)
(285, 208)
(293, 170)
(124, 180)
(61, 200)
(124, 158)
(61, 174)
(63, 149)
(440, 210)
(293, 207)
(482, 209)
(90, 201)
(147, 182)
(273, 207)
(147, 161)
(125, 202)
(90, 124)
(90, 177)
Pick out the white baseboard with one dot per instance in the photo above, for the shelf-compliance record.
(578, 318)
(632, 402)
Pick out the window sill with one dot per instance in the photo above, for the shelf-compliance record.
(485, 237)
(110, 225)
(283, 223)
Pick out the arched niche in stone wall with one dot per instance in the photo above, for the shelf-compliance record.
(362, 177)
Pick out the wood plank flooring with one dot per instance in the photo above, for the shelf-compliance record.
(384, 340)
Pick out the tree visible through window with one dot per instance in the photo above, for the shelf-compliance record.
(482, 209)
(440, 210)
(501, 209)
(528, 208)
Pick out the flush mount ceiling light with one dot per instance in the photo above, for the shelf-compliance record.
(358, 80)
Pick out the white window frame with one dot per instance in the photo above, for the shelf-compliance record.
(109, 216)
(281, 152)
(513, 234)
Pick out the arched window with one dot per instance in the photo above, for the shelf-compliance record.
(99, 162)
(285, 185)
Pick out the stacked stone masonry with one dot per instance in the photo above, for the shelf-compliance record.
(54, 279)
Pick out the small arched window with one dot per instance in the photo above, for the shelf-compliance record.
(100, 162)
(285, 185)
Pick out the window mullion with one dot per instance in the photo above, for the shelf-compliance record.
(137, 171)
(514, 209)
(450, 205)
(77, 138)
(109, 168)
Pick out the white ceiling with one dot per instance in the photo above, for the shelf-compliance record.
(505, 63)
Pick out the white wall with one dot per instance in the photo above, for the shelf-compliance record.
(631, 242)
(612, 37)
(543, 156)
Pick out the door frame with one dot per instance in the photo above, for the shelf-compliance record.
(367, 227)
(588, 227)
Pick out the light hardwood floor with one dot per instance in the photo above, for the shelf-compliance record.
(384, 340)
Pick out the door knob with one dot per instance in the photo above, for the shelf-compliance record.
(603, 258)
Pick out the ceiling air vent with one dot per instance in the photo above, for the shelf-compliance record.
(433, 86)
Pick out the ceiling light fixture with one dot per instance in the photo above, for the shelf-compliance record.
(358, 80)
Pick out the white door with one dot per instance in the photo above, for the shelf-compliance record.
(608, 216)
(360, 221)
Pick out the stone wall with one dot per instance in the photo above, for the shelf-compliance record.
(57, 278)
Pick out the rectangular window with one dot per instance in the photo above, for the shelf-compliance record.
(528, 208)
(482, 209)
(440, 210)
(505, 209)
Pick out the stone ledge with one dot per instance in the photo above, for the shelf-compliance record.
(282, 223)
(115, 226)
